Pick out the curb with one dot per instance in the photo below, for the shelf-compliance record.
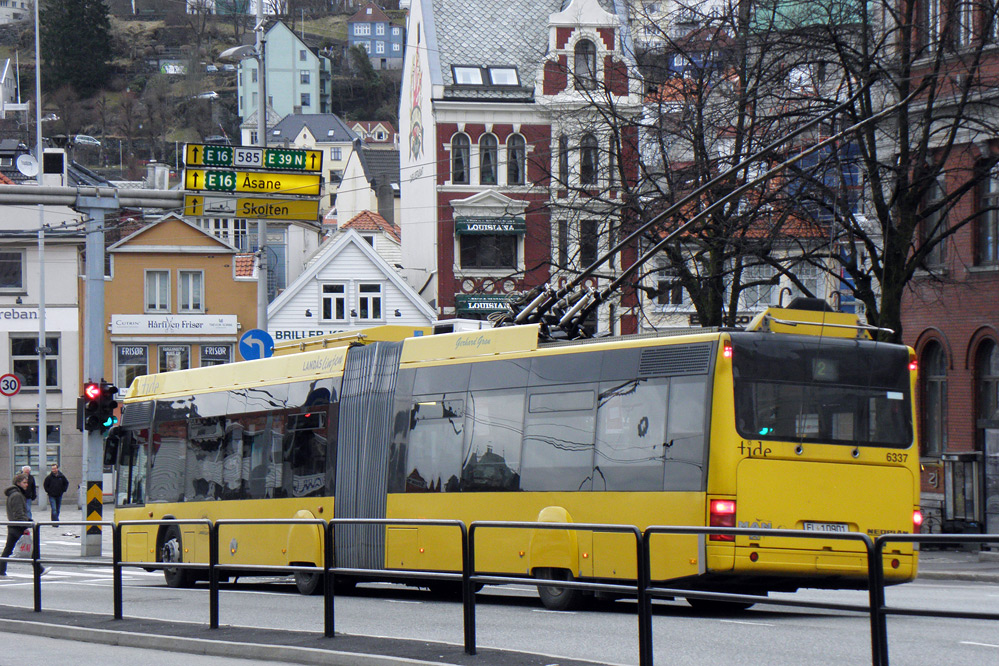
(958, 575)
(211, 648)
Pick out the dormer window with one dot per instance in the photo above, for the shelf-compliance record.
(504, 76)
(585, 65)
(468, 76)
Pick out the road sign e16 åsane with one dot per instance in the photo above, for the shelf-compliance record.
(301, 184)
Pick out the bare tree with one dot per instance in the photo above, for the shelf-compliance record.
(236, 12)
(908, 98)
(129, 114)
(199, 16)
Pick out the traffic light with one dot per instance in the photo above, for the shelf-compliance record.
(91, 406)
(107, 405)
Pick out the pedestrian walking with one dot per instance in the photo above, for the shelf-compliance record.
(55, 484)
(17, 510)
(32, 492)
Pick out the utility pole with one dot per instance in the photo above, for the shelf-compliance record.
(43, 389)
(94, 207)
(262, 270)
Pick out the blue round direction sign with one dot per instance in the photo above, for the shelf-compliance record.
(256, 343)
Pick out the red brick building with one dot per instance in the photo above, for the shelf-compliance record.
(507, 167)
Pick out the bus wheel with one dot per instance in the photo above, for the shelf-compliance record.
(712, 606)
(312, 583)
(309, 583)
(172, 551)
(558, 598)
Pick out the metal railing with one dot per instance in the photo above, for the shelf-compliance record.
(642, 588)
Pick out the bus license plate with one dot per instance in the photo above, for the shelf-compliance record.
(826, 527)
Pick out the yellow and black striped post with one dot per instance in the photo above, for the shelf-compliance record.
(95, 506)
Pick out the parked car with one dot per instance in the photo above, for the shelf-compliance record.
(228, 68)
(217, 139)
(208, 94)
(211, 68)
(84, 140)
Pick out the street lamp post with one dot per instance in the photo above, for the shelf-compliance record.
(258, 53)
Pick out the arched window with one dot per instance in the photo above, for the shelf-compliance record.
(460, 156)
(987, 384)
(588, 160)
(516, 154)
(934, 365)
(585, 65)
(488, 149)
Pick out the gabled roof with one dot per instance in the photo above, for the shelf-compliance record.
(172, 218)
(326, 255)
(320, 125)
(376, 15)
(367, 220)
(378, 164)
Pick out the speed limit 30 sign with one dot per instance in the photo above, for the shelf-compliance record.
(10, 385)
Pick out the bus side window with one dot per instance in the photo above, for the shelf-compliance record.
(686, 442)
(494, 421)
(435, 444)
(558, 439)
(631, 431)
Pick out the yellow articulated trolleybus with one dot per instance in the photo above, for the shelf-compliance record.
(801, 421)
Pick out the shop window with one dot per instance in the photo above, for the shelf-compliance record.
(488, 251)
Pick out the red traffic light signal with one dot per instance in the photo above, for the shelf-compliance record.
(91, 406)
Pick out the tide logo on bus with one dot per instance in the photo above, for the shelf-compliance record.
(758, 451)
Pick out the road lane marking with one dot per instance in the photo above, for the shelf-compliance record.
(978, 644)
(754, 624)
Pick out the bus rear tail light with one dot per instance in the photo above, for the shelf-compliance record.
(917, 520)
(722, 514)
(727, 350)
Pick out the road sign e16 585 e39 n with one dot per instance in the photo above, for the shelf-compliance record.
(250, 157)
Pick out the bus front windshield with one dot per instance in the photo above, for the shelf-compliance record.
(830, 391)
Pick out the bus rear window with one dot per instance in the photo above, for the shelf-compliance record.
(828, 391)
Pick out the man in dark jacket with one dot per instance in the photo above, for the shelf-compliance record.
(17, 509)
(55, 484)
